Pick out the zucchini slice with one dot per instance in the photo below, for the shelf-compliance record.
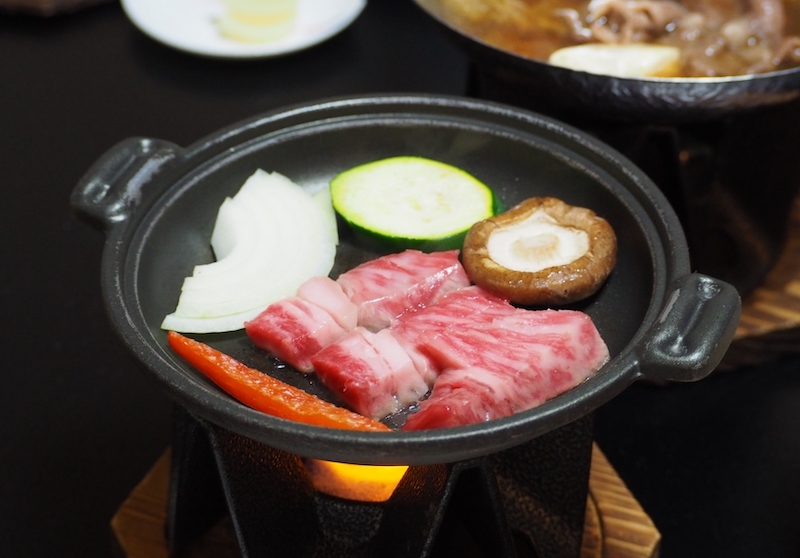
(411, 202)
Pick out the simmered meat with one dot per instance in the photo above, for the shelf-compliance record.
(769, 18)
(722, 38)
(628, 21)
(715, 37)
(789, 52)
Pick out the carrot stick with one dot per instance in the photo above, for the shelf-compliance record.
(263, 392)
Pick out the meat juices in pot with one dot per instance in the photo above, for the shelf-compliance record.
(716, 37)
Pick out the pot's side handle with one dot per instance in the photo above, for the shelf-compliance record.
(114, 185)
(693, 331)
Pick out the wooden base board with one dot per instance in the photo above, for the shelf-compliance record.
(770, 323)
(616, 525)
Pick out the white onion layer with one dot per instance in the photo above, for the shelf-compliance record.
(269, 238)
(635, 60)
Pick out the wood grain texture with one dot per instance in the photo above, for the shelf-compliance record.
(624, 529)
(616, 525)
(770, 322)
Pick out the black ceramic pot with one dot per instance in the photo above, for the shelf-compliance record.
(593, 97)
(721, 149)
(157, 203)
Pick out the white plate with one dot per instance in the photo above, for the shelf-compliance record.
(189, 25)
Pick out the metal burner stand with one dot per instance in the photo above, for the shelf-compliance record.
(528, 501)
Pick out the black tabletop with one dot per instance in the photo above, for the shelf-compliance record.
(716, 464)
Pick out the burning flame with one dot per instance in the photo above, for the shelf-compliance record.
(364, 483)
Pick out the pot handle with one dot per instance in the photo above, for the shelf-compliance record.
(693, 332)
(114, 185)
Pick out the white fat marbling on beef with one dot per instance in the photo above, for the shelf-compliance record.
(471, 396)
(462, 308)
(374, 293)
(389, 286)
(484, 357)
(533, 355)
(294, 330)
(328, 295)
(370, 372)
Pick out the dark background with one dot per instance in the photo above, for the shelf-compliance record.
(716, 464)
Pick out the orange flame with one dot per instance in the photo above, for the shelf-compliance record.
(364, 483)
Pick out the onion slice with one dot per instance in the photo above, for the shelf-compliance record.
(634, 60)
(268, 239)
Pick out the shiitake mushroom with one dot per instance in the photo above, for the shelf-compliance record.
(542, 251)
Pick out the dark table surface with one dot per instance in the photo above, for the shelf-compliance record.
(716, 463)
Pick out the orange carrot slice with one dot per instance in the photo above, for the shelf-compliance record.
(263, 392)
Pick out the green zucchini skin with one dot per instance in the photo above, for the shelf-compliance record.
(497, 205)
(386, 240)
(388, 244)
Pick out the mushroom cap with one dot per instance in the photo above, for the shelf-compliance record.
(555, 285)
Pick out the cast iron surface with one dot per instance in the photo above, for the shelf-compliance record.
(158, 202)
(528, 501)
(620, 99)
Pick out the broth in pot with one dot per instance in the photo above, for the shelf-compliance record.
(687, 38)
